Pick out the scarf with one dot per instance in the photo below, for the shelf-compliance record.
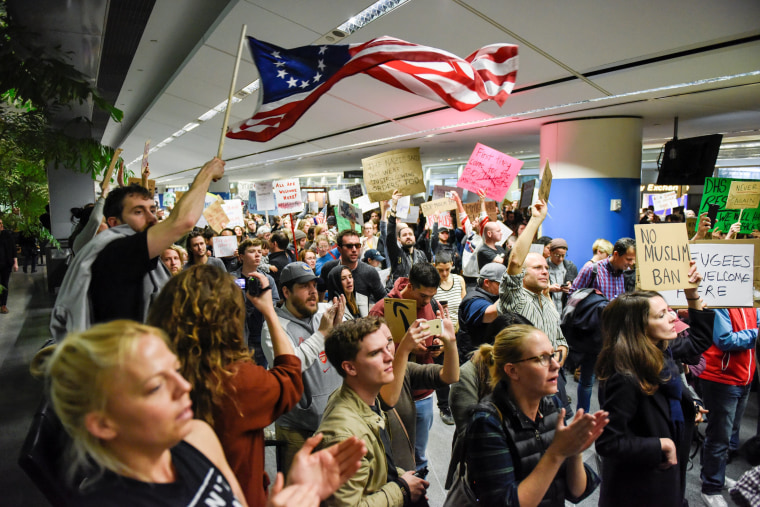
(672, 388)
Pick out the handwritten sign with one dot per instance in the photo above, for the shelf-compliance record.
(546, 183)
(445, 221)
(138, 181)
(439, 191)
(716, 192)
(341, 194)
(393, 170)
(265, 196)
(354, 190)
(727, 275)
(216, 217)
(743, 195)
(399, 314)
(343, 223)
(662, 256)
(490, 170)
(473, 211)
(365, 204)
(432, 207)
(350, 212)
(224, 246)
(402, 207)
(288, 195)
(234, 210)
(665, 201)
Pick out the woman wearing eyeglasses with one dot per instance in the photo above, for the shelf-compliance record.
(645, 448)
(518, 448)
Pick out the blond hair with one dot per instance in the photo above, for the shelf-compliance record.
(602, 245)
(507, 348)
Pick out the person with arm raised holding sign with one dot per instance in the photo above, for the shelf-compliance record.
(400, 245)
(645, 447)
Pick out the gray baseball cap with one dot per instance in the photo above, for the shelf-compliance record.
(492, 271)
(297, 272)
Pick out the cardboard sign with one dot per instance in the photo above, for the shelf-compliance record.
(439, 191)
(727, 275)
(393, 170)
(343, 223)
(138, 181)
(489, 170)
(665, 201)
(224, 246)
(473, 211)
(335, 196)
(216, 217)
(662, 256)
(438, 205)
(288, 195)
(526, 197)
(234, 210)
(546, 183)
(412, 216)
(399, 315)
(265, 196)
(365, 204)
(715, 193)
(350, 212)
(743, 195)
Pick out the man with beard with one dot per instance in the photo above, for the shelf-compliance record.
(307, 329)
(172, 259)
(118, 273)
(401, 254)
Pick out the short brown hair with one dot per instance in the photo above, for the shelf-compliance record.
(247, 243)
(344, 341)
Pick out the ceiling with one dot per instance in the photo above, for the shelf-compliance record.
(698, 60)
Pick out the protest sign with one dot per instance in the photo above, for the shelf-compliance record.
(402, 206)
(473, 211)
(341, 194)
(546, 183)
(444, 220)
(438, 205)
(138, 181)
(506, 232)
(727, 275)
(743, 195)
(412, 215)
(489, 170)
(399, 315)
(364, 203)
(288, 195)
(224, 246)
(439, 191)
(526, 197)
(354, 190)
(393, 170)
(234, 210)
(265, 196)
(662, 256)
(350, 212)
(343, 223)
(715, 193)
(215, 216)
(665, 201)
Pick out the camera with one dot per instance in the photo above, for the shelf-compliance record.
(252, 286)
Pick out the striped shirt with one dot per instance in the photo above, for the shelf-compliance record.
(537, 308)
(453, 297)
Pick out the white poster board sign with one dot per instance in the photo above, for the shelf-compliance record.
(225, 246)
(288, 194)
(402, 207)
(665, 201)
(264, 196)
(234, 210)
(506, 232)
(335, 196)
(727, 275)
(365, 204)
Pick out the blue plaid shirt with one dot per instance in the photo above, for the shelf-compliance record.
(609, 281)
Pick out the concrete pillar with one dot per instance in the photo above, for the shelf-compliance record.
(68, 189)
(595, 162)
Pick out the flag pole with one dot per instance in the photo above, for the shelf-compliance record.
(293, 231)
(232, 90)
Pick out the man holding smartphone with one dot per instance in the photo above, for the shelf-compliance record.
(562, 272)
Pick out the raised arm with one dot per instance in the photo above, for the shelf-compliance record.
(522, 245)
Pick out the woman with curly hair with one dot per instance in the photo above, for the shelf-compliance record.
(202, 310)
(645, 447)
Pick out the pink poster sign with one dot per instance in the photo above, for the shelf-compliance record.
(490, 170)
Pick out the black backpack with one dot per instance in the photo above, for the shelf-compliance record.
(581, 320)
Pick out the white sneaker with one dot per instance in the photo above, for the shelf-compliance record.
(728, 483)
(714, 500)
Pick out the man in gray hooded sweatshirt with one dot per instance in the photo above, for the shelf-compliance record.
(307, 329)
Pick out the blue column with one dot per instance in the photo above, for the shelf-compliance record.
(593, 161)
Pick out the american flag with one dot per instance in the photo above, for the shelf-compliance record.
(321, 217)
(293, 79)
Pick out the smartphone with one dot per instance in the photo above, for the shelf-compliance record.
(434, 327)
(433, 348)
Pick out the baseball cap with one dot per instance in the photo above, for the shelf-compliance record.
(374, 255)
(296, 272)
(492, 271)
(300, 234)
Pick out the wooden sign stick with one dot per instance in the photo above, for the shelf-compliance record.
(114, 159)
(293, 230)
(740, 214)
(232, 90)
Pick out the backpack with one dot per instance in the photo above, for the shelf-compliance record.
(581, 320)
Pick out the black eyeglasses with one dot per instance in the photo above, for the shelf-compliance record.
(543, 359)
(351, 245)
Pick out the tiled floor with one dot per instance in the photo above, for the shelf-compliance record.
(25, 329)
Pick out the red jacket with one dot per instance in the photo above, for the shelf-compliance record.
(731, 358)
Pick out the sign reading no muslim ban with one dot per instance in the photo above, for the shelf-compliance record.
(662, 256)
(727, 275)
(489, 170)
(393, 170)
